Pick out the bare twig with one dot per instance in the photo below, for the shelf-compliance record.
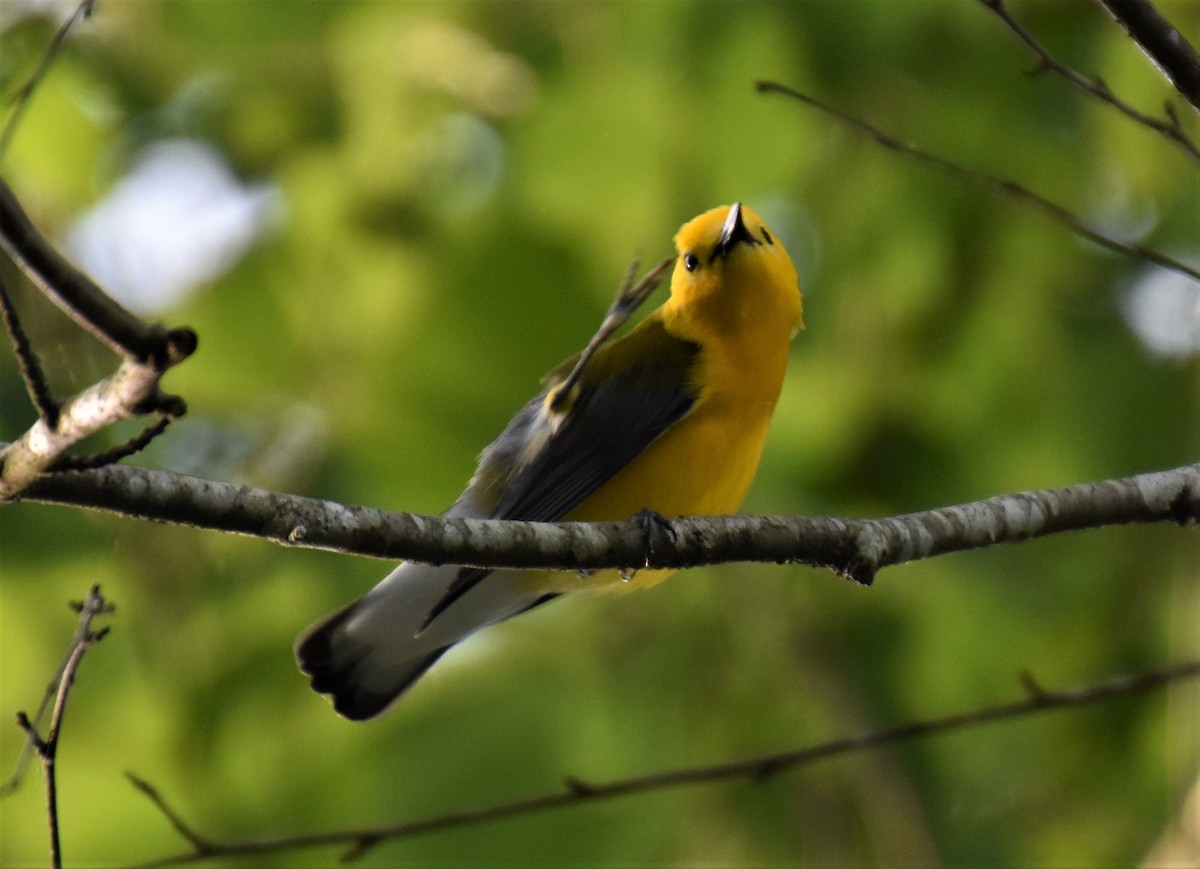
(131, 447)
(1170, 128)
(752, 769)
(629, 298)
(21, 98)
(999, 185)
(31, 367)
(200, 845)
(1163, 44)
(46, 748)
(855, 548)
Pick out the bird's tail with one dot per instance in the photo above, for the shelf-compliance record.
(369, 653)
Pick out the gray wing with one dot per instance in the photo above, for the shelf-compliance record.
(620, 410)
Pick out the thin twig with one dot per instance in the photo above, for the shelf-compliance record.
(630, 297)
(27, 361)
(200, 845)
(48, 698)
(1096, 88)
(25, 91)
(1162, 42)
(46, 748)
(88, 609)
(131, 447)
(999, 185)
(131, 391)
(856, 548)
(752, 769)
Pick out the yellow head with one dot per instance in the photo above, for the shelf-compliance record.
(732, 273)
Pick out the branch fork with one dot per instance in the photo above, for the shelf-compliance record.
(147, 353)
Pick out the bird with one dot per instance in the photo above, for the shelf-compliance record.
(668, 420)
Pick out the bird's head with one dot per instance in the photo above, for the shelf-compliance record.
(731, 267)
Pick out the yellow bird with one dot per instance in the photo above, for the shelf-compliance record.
(670, 418)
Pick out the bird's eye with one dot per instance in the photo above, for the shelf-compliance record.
(691, 262)
(767, 236)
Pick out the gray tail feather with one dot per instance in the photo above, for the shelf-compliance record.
(337, 669)
(367, 666)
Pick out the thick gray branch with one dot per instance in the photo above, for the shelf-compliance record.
(855, 548)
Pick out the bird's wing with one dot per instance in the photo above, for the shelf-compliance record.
(634, 390)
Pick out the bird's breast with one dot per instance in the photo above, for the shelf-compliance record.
(702, 465)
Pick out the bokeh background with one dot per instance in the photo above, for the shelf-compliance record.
(386, 220)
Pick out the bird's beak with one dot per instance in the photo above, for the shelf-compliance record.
(733, 231)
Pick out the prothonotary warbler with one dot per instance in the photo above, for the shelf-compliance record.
(670, 418)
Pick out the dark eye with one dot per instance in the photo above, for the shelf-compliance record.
(691, 262)
(767, 236)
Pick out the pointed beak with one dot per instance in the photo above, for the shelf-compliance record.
(733, 231)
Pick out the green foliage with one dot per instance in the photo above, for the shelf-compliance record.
(462, 186)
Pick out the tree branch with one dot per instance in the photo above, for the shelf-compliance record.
(30, 366)
(25, 91)
(980, 179)
(80, 297)
(46, 748)
(1169, 128)
(630, 297)
(147, 351)
(753, 769)
(119, 397)
(1163, 44)
(855, 548)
